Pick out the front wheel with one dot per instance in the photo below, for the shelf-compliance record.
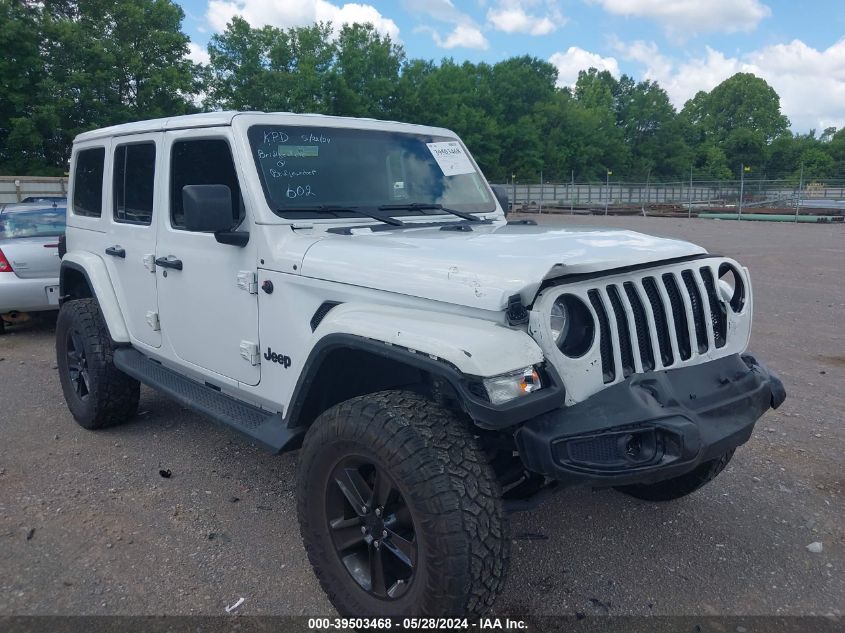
(399, 510)
(678, 487)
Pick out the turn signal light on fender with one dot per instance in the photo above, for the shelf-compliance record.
(506, 387)
(530, 381)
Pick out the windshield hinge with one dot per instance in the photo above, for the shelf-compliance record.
(248, 280)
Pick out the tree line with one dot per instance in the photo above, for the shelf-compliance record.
(75, 65)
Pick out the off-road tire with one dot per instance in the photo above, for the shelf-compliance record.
(2, 326)
(678, 487)
(451, 492)
(112, 396)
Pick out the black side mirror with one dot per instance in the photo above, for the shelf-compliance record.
(208, 208)
(501, 193)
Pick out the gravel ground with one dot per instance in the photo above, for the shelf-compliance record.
(88, 525)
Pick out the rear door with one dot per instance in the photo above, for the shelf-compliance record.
(134, 199)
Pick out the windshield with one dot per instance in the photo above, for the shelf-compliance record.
(306, 167)
(32, 223)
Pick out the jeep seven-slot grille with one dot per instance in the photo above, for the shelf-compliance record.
(658, 319)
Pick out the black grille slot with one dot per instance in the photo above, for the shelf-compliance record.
(697, 310)
(625, 350)
(321, 313)
(717, 308)
(663, 340)
(643, 333)
(597, 450)
(606, 345)
(679, 314)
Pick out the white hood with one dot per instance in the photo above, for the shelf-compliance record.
(483, 267)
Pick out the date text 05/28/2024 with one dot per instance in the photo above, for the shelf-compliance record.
(435, 624)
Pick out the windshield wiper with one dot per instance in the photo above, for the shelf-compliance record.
(382, 217)
(428, 205)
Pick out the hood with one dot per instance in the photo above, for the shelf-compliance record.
(483, 267)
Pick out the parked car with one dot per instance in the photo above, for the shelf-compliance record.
(352, 288)
(55, 200)
(29, 259)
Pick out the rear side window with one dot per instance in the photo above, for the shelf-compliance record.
(134, 182)
(88, 182)
(202, 162)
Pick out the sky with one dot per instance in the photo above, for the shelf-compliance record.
(685, 45)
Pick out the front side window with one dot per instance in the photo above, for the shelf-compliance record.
(303, 168)
(134, 183)
(88, 182)
(202, 162)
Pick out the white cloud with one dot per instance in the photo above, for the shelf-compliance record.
(464, 36)
(680, 17)
(465, 32)
(513, 16)
(197, 54)
(288, 13)
(810, 82)
(575, 59)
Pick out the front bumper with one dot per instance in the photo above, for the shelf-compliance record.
(653, 426)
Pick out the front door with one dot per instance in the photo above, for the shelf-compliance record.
(135, 199)
(207, 302)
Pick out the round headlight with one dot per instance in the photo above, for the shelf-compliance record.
(731, 288)
(571, 323)
(559, 320)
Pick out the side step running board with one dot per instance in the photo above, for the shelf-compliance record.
(268, 430)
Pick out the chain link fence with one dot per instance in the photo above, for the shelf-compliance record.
(751, 197)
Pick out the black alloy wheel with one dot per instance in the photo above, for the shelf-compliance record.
(97, 393)
(371, 528)
(77, 364)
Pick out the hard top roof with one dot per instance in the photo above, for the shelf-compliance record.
(216, 119)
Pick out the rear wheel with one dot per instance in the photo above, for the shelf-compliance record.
(97, 393)
(679, 486)
(400, 512)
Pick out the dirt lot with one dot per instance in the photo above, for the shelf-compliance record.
(88, 526)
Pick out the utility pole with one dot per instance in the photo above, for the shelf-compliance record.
(572, 194)
(541, 191)
(800, 188)
(607, 191)
(689, 208)
(741, 188)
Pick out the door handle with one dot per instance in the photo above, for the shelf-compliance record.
(169, 262)
(116, 251)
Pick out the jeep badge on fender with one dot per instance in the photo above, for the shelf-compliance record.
(273, 357)
(447, 355)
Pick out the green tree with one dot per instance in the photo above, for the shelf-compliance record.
(100, 62)
(21, 68)
(365, 72)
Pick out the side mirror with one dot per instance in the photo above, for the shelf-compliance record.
(208, 208)
(501, 193)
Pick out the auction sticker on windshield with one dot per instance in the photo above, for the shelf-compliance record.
(451, 157)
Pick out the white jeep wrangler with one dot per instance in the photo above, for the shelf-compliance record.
(353, 288)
